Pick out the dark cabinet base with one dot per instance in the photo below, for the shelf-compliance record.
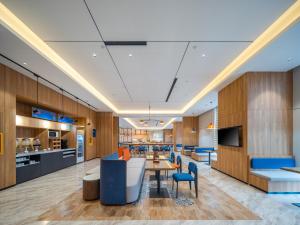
(49, 163)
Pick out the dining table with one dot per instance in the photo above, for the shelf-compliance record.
(157, 167)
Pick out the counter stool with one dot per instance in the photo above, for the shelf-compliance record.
(91, 187)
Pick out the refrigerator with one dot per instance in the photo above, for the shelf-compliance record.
(80, 146)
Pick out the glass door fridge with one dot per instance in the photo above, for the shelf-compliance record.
(80, 146)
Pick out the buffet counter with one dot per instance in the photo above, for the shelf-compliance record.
(35, 164)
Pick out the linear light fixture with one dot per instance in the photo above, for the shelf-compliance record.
(149, 128)
(16, 26)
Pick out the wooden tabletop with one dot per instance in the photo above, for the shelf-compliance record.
(292, 169)
(162, 165)
(161, 157)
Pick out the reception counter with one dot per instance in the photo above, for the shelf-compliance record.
(35, 164)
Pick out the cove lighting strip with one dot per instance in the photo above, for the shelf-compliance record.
(149, 128)
(16, 26)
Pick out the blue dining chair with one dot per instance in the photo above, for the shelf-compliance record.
(171, 160)
(192, 175)
(172, 157)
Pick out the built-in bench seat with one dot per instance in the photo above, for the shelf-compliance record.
(265, 174)
(276, 175)
(200, 155)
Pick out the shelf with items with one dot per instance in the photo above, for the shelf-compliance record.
(69, 153)
(22, 161)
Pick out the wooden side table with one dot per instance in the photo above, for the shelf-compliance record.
(91, 187)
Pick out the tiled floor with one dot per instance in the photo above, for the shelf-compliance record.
(25, 203)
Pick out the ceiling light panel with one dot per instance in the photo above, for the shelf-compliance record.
(99, 71)
(197, 71)
(179, 20)
(56, 20)
(149, 74)
(275, 57)
(12, 47)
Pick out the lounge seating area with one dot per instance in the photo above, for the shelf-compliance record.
(149, 112)
(268, 174)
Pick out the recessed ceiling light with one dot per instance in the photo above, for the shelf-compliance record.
(203, 55)
(24, 63)
(94, 54)
(130, 55)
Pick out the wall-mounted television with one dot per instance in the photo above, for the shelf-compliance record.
(43, 114)
(231, 136)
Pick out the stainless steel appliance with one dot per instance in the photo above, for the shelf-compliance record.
(80, 146)
(53, 134)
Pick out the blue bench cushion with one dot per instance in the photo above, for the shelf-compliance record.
(202, 150)
(272, 163)
(189, 147)
(182, 177)
(178, 145)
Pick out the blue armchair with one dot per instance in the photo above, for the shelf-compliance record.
(192, 175)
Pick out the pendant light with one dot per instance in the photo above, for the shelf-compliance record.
(36, 110)
(210, 126)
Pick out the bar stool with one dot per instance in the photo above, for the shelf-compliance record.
(91, 187)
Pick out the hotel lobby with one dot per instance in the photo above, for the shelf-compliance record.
(149, 112)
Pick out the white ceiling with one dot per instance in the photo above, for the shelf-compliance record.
(178, 34)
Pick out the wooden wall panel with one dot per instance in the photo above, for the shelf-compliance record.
(115, 133)
(90, 141)
(8, 126)
(261, 102)
(177, 133)
(270, 113)
(232, 111)
(168, 135)
(104, 133)
(188, 123)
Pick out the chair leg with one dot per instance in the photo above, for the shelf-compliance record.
(177, 190)
(167, 174)
(173, 185)
(196, 188)
(190, 185)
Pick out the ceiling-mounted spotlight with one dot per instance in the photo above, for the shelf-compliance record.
(161, 122)
(94, 54)
(142, 121)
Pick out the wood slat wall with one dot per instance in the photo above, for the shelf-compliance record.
(168, 135)
(104, 133)
(270, 119)
(232, 111)
(15, 86)
(188, 123)
(8, 126)
(177, 133)
(261, 102)
(115, 133)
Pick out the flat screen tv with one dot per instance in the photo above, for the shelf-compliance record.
(231, 136)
